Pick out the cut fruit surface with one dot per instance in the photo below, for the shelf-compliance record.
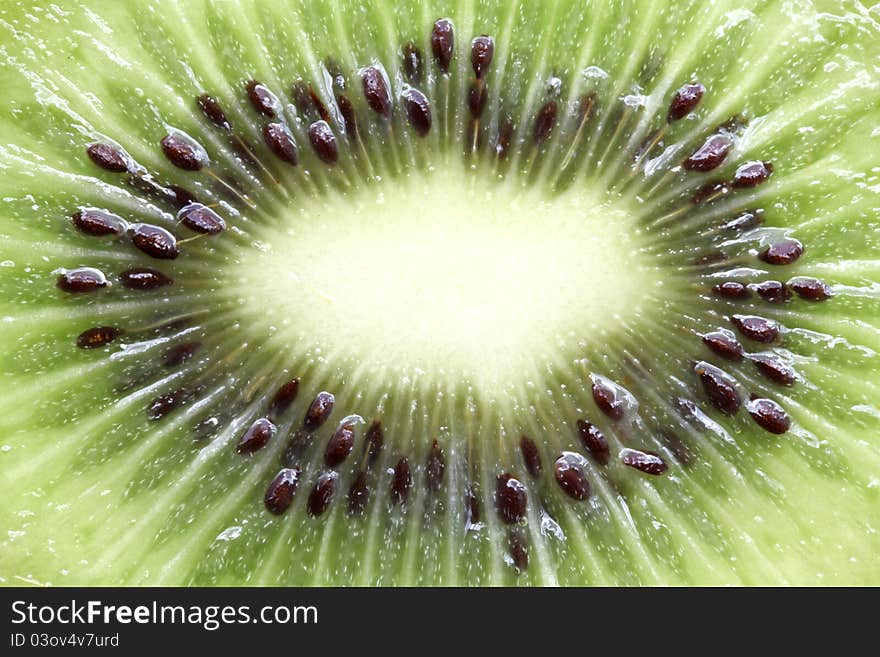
(404, 293)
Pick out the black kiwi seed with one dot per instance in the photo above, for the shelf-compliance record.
(723, 344)
(180, 196)
(98, 223)
(711, 191)
(322, 493)
(212, 111)
(144, 278)
(164, 404)
(594, 441)
(279, 493)
(280, 141)
(752, 174)
(518, 548)
(283, 398)
(180, 354)
(418, 111)
(97, 336)
(412, 63)
(261, 98)
(302, 99)
(510, 498)
(772, 291)
(183, 152)
(571, 478)
(505, 134)
(769, 415)
(107, 157)
(710, 155)
(531, 455)
(471, 506)
(435, 467)
(545, 121)
(358, 493)
(375, 438)
(811, 289)
(324, 142)
(256, 437)
(756, 328)
(376, 91)
(478, 94)
(718, 388)
(349, 119)
(319, 410)
(685, 101)
(201, 219)
(401, 481)
(774, 368)
(731, 290)
(156, 242)
(340, 445)
(84, 279)
(443, 43)
(482, 51)
(607, 401)
(783, 252)
(647, 462)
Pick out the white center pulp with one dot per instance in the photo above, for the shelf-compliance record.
(446, 272)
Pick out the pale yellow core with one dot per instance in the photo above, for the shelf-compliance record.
(448, 274)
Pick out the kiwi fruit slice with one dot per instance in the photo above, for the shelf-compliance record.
(440, 293)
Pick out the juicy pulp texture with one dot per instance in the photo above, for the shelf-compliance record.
(309, 280)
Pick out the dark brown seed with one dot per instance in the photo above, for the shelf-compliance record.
(510, 498)
(710, 155)
(376, 91)
(412, 63)
(531, 455)
(324, 142)
(180, 354)
(772, 291)
(647, 462)
(256, 437)
(811, 289)
(283, 398)
(107, 157)
(732, 290)
(164, 404)
(774, 368)
(607, 401)
(784, 252)
(180, 196)
(594, 441)
(340, 445)
(685, 101)
(280, 141)
(745, 221)
(84, 279)
(482, 50)
(545, 122)
(319, 410)
(435, 467)
(322, 493)
(677, 446)
(98, 223)
(478, 94)
(280, 492)
(97, 336)
(505, 134)
(183, 153)
(262, 99)
(418, 111)
(471, 506)
(375, 438)
(723, 344)
(711, 191)
(571, 478)
(442, 43)
(401, 482)
(349, 118)
(358, 494)
(756, 328)
(201, 219)
(319, 105)
(143, 278)
(720, 391)
(586, 106)
(752, 174)
(302, 98)
(518, 548)
(769, 415)
(212, 111)
(156, 242)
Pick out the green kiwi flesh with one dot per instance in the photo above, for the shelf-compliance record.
(571, 293)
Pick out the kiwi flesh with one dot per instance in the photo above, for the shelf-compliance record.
(404, 293)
